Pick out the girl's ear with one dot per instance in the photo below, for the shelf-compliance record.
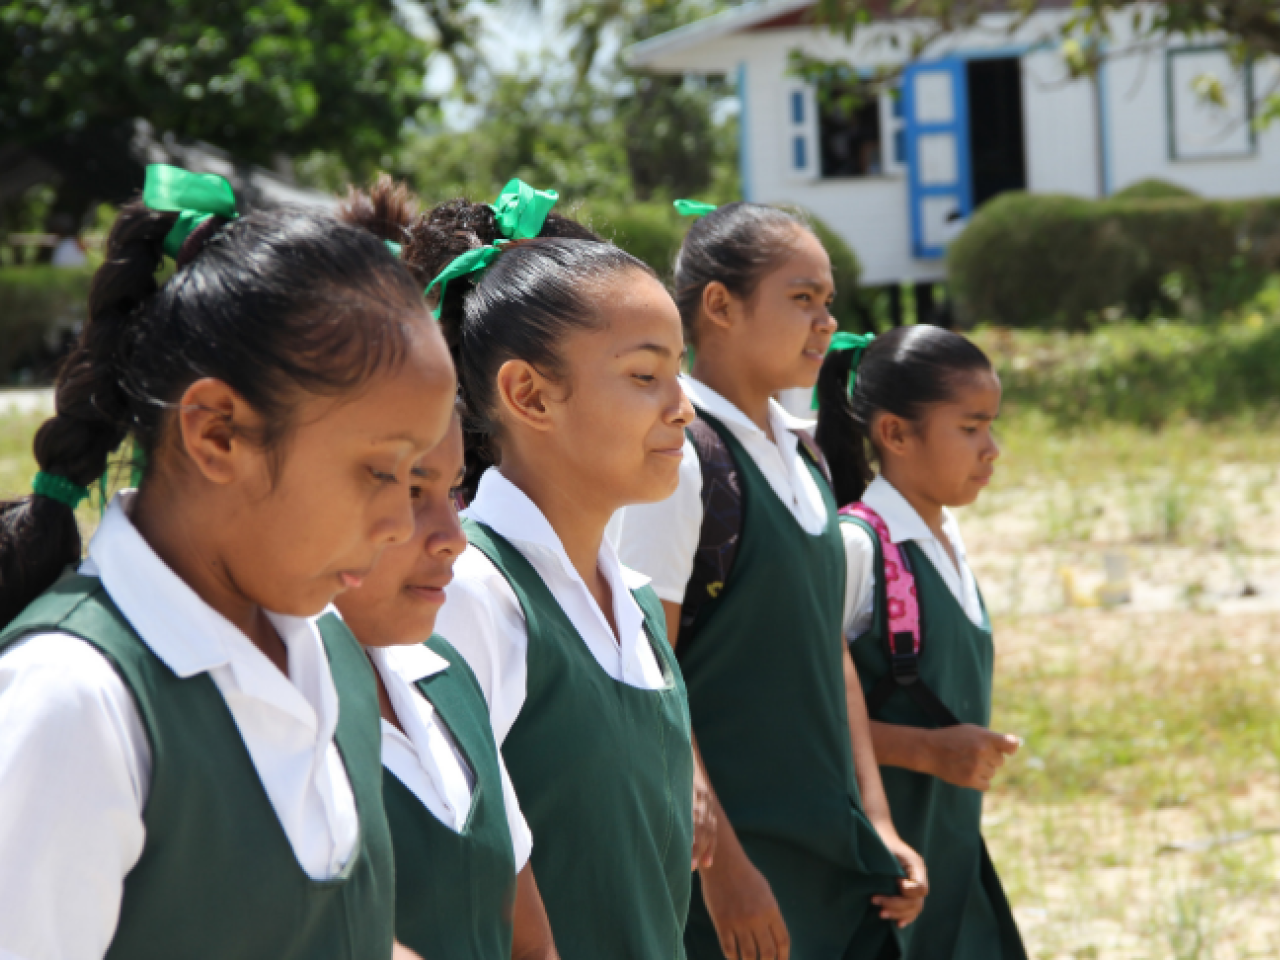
(719, 306)
(216, 425)
(523, 392)
(892, 434)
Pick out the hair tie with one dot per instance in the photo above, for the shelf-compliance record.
(195, 197)
(59, 488)
(843, 340)
(395, 248)
(520, 212)
(693, 208)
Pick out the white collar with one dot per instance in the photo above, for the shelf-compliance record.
(783, 423)
(901, 518)
(412, 662)
(187, 634)
(508, 511)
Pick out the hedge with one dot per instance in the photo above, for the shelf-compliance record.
(40, 306)
(1061, 262)
(653, 232)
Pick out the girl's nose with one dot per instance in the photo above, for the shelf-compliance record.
(396, 525)
(446, 538)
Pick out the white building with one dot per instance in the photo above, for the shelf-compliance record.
(985, 111)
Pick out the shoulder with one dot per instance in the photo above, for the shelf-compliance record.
(63, 674)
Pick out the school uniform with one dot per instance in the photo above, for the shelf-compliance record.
(593, 727)
(966, 915)
(763, 666)
(458, 833)
(166, 792)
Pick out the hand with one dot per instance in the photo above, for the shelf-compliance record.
(744, 911)
(704, 820)
(401, 952)
(968, 755)
(906, 908)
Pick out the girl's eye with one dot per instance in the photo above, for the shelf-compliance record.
(804, 297)
(383, 477)
(415, 493)
(645, 377)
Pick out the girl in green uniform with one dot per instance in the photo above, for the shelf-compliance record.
(464, 886)
(924, 400)
(189, 760)
(568, 353)
(807, 862)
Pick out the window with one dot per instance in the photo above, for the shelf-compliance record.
(849, 131)
(1200, 129)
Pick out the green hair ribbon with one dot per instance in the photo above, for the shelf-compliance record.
(195, 197)
(521, 211)
(395, 248)
(59, 488)
(843, 340)
(693, 208)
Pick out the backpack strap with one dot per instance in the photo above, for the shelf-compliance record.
(904, 636)
(721, 528)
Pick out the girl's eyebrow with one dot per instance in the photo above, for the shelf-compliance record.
(657, 348)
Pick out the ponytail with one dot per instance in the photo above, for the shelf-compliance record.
(900, 373)
(39, 536)
(274, 304)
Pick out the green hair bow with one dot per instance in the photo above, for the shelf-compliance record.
(195, 197)
(843, 340)
(521, 211)
(693, 208)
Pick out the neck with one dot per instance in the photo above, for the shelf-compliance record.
(723, 375)
(576, 518)
(930, 510)
(169, 525)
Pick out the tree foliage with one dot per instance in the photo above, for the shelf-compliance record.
(256, 77)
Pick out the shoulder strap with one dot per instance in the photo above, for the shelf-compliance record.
(721, 529)
(904, 637)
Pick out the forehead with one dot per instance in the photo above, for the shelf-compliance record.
(805, 260)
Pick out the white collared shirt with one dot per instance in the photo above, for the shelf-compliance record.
(904, 524)
(426, 757)
(483, 620)
(75, 761)
(661, 539)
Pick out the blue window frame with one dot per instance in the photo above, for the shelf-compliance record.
(799, 153)
(797, 107)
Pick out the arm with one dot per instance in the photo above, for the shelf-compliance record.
(905, 908)
(738, 897)
(965, 755)
(532, 940)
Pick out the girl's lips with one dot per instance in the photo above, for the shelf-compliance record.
(426, 593)
(351, 579)
(675, 452)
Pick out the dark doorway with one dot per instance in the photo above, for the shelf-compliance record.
(849, 131)
(995, 127)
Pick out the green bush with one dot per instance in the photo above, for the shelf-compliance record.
(1066, 263)
(1153, 189)
(651, 232)
(1140, 373)
(39, 306)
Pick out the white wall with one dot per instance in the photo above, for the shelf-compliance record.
(1059, 118)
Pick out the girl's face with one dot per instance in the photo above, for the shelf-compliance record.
(294, 537)
(619, 416)
(399, 600)
(787, 321)
(949, 455)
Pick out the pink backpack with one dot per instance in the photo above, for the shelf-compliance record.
(904, 637)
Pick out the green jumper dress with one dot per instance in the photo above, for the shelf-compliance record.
(217, 877)
(604, 773)
(966, 915)
(763, 666)
(455, 892)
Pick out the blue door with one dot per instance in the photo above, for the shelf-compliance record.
(940, 185)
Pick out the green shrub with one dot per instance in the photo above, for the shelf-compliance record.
(38, 307)
(1066, 263)
(1153, 189)
(1140, 373)
(651, 232)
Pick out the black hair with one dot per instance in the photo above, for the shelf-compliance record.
(738, 245)
(272, 304)
(901, 373)
(554, 278)
(387, 209)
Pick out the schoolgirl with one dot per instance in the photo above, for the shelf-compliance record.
(464, 886)
(924, 400)
(568, 354)
(188, 767)
(747, 559)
